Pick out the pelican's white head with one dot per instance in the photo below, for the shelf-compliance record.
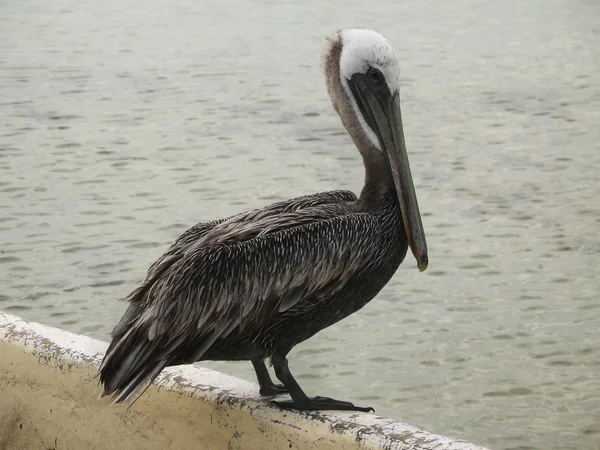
(365, 52)
(362, 49)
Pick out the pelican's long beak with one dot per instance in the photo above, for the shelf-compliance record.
(381, 110)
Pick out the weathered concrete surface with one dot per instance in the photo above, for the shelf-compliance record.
(48, 400)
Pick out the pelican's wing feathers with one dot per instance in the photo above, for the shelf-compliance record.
(236, 276)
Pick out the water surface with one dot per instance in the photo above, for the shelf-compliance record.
(124, 123)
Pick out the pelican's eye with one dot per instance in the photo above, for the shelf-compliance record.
(375, 75)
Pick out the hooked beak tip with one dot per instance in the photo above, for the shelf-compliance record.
(422, 263)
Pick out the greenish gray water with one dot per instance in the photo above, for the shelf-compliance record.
(123, 123)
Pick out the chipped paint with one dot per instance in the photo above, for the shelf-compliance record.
(242, 417)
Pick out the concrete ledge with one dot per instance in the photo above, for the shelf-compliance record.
(48, 398)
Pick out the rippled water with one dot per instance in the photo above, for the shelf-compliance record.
(123, 123)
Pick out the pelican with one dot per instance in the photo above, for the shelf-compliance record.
(252, 286)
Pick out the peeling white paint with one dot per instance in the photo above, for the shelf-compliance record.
(354, 430)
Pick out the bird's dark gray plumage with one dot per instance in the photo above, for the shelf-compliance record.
(254, 285)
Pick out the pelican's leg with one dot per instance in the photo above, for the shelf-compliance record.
(299, 398)
(267, 387)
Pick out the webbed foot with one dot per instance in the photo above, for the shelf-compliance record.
(321, 404)
(272, 390)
